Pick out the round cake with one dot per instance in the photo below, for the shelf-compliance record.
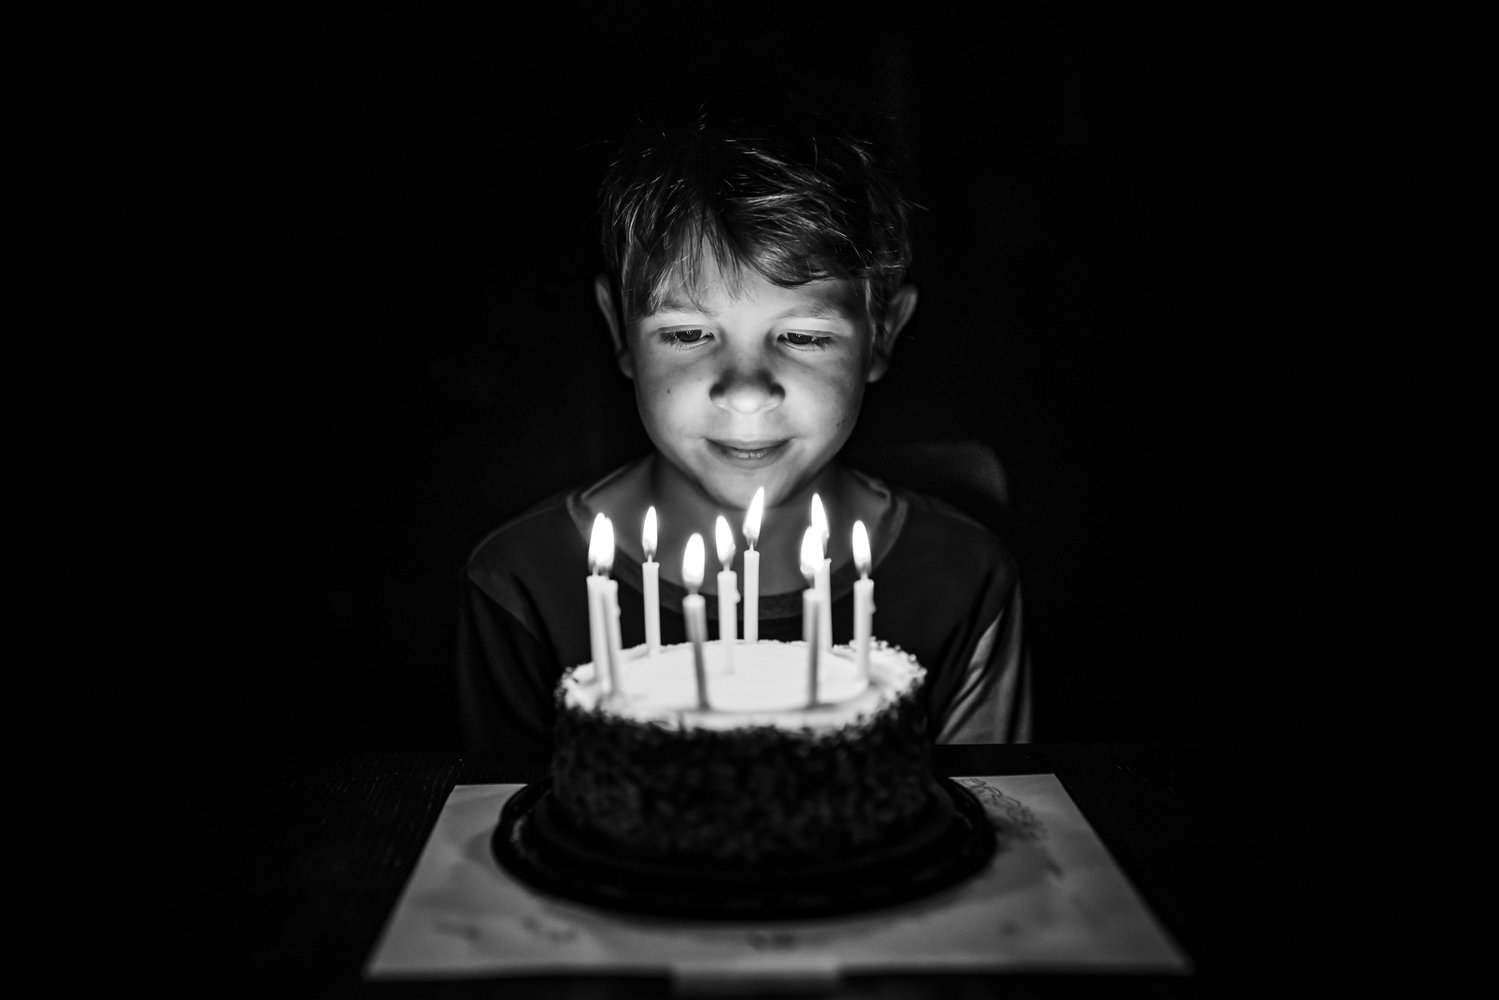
(766, 775)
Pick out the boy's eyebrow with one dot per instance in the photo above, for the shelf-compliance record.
(815, 310)
(818, 309)
(673, 303)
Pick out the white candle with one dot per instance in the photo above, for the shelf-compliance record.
(811, 556)
(752, 567)
(728, 590)
(863, 598)
(824, 575)
(609, 611)
(598, 633)
(610, 590)
(696, 613)
(651, 576)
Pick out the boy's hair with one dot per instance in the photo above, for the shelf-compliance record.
(779, 184)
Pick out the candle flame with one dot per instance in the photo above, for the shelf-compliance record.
(692, 563)
(820, 521)
(601, 545)
(861, 548)
(811, 553)
(725, 539)
(752, 518)
(648, 535)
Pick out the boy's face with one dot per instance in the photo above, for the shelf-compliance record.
(758, 386)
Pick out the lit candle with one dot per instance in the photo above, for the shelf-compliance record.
(728, 589)
(695, 612)
(598, 633)
(811, 613)
(863, 599)
(824, 570)
(752, 567)
(651, 575)
(610, 591)
(611, 632)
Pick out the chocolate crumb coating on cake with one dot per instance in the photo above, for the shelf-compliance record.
(761, 795)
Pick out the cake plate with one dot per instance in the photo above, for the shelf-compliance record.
(950, 842)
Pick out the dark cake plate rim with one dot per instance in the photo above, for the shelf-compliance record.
(885, 877)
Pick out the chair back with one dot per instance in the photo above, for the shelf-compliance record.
(965, 473)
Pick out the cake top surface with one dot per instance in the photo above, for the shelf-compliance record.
(765, 683)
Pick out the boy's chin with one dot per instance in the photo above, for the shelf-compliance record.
(734, 495)
(739, 492)
(734, 489)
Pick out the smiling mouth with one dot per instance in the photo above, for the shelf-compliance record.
(748, 451)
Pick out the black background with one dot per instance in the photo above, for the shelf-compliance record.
(307, 311)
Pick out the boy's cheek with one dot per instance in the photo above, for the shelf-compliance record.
(675, 378)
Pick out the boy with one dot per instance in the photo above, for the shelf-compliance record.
(756, 285)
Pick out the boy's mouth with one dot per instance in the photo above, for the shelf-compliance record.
(748, 452)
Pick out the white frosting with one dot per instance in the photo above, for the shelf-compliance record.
(767, 684)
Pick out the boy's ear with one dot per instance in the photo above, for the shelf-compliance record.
(603, 294)
(897, 315)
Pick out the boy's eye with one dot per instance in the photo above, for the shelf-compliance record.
(683, 338)
(806, 340)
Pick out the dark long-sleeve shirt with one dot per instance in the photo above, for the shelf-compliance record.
(946, 591)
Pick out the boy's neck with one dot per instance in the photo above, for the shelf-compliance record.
(682, 509)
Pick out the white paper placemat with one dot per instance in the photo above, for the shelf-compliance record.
(1052, 899)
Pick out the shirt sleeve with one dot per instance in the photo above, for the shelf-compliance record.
(506, 679)
(991, 703)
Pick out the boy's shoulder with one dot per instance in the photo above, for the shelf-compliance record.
(533, 537)
(939, 536)
(914, 510)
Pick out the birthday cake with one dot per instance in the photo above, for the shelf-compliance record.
(768, 774)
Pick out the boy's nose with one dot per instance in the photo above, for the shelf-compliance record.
(747, 390)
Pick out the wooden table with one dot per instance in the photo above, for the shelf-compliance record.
(273, 876)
